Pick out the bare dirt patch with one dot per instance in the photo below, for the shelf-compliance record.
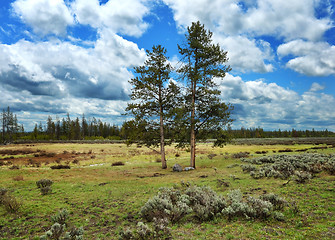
(37, 157)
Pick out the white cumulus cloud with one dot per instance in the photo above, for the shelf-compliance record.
(124, 17)
(316, 87)
(309, 58)
(44, 16)
(239, 24)
(247, 54)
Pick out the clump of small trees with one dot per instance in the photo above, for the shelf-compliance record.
(10, 128)
(189, 105)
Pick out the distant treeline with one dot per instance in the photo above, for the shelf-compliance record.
(75, 129)
(92, 129)
(260, 133)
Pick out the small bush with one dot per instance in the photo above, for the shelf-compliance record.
(257, 174)
(170, 203)
(57, 230)
(10, 203)
(302, 177)
(285, 150)
(235, 206)
(45, 186)
(61, 217)
(241, 155)
(330, 167)
(44, 183)
(277, 202)
(60, 167)
(75, 161)
(252, 208)
(118, 163)
(278, 216)
(233, 165)
(248, 168)
(3, 192)
(205, 203)
(211, 156)
(144, 232)
(259, 208)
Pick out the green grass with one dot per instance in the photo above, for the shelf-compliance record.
(104, 198)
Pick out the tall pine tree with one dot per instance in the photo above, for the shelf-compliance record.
(153, 98)
(203, 63)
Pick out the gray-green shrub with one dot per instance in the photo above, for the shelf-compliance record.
(302, 176)
(278, 202)
(61, 217)
(58, 229)
(205, 203)
(45, 186)
(169, 203)
(252, 208)
(285, 166)
(142, 231)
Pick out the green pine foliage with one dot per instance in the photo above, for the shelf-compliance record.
(203, 110)
(154, 99)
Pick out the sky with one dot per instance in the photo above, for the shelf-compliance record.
(77, 56)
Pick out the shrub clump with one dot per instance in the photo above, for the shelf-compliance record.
(118, 163)
(45, 186)
(8, 201)
(253, 208)
(302, 176)
(248, 168)
(205, 203)
(160, 231)
(60, 166)
(61, 217)
(170, 203)
(301, 167)
(241, 155)
(58, 229)
(278, 202)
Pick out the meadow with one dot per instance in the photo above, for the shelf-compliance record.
(106, 185)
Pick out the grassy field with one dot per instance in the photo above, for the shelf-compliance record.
(105, 199)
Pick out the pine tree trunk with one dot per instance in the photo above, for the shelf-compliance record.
(161, 123)
(164, 165)
(192, 143)
(3, 127)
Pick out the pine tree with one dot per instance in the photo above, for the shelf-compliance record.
(154, 97)
(203, 63)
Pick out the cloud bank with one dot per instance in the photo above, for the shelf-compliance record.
(52, 69)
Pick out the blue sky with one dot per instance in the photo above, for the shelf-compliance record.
(76, 56)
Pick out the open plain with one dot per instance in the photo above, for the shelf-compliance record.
(104, 186)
